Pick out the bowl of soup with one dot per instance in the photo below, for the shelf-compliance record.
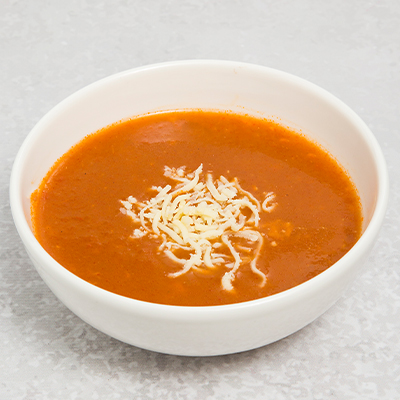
(199, 207)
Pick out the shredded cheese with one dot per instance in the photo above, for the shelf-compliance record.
(200, 215)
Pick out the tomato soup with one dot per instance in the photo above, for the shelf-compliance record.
(196, 208)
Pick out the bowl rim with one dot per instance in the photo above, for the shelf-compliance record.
(200, 313)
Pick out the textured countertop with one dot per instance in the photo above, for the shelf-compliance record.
(49, 49)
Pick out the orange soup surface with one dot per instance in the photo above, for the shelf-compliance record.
(196, 208)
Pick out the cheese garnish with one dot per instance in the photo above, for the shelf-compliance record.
(203, 223)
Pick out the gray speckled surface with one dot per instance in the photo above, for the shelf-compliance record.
(49, 49)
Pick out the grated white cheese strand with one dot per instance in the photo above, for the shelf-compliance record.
(213, 190)
(189, 186)
(156, 220)
(230, 276)
(253, 262)
(174, 258)
(173, 235)
(166, 202)
(245, 202)
(127, 204)
(208, 262)
(267, 204)
(186, 268)
(162, 193)
(248, 194)
(182, 227)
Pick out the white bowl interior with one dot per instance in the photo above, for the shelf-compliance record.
(207, 85)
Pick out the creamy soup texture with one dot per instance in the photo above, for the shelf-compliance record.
(196, 208)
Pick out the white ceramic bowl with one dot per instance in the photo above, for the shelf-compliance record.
(261, 91)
